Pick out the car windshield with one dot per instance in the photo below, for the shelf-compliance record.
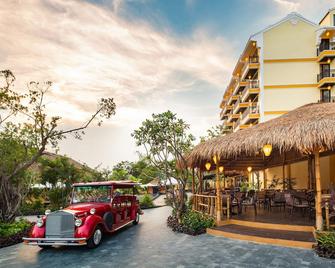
(99, 194)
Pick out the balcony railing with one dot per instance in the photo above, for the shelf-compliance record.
(251, 84)
(325, 46)
(253, 109)
(326, 73)
(254, 59)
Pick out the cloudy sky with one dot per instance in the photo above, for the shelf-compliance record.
(150, 55)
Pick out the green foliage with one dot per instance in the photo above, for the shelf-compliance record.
(26, 131)
(9, 229)
(218, 130)
(58, 197)
(196, 221)
(146, 201)
(34, 208)
(59, 171)
(326, 239)
(166, 141)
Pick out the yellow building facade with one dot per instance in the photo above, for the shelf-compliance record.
(282, 67)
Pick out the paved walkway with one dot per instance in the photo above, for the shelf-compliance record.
(152, 244)
(160, 201)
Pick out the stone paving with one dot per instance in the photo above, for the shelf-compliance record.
(152, 244)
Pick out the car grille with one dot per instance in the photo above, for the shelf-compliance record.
(59, 224)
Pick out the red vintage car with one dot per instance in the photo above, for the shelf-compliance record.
(96, 208)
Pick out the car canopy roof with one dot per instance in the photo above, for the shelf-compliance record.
(115, 184)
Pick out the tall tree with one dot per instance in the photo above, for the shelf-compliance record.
(25, 124)
(166, 141)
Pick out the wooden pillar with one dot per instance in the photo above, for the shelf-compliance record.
(318, 199)
(265, 179)
(310, 172)
(327, 215)
(218, 204)
(193, 182)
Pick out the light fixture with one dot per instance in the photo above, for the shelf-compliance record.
(267, 149)
(327, 33)
(221, 169)
(208, 166)
(329, 87)
(216, 159)
(246, 58)
(328, 61)
(254, 43)
(249, 169)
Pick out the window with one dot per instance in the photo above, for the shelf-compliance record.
(334, 20)
(325, 95)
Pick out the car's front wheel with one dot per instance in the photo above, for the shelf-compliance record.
(137, 219)
(95, 238)
(44, 246)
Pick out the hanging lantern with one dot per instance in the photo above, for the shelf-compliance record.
(249, 169)
(208, 166)
(216, 159)
(221, 169)
(267, 149)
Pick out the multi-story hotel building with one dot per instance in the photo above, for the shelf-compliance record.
(284, 66)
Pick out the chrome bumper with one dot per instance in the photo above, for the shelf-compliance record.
(55, 241)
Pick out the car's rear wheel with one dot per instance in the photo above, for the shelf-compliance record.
(95, 238)
(137, 219)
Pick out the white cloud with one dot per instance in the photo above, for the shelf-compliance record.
(91, 52)
(288, 5)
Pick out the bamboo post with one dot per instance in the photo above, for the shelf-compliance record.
(318, 201)
(212, 205)
(228, 207)
(193, 181)
(218, 195)
(208, 205)
(327, 215)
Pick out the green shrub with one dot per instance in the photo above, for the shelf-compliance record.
(326, 244)
(196, 222)
(58, 198)
(9, 229)
(146, 201)
(35, 208)
(326, 239)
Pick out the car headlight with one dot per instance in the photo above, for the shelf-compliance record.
(78, 222)
(39, 222)
(92, 211)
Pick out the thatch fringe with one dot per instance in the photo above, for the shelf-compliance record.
(304, 129)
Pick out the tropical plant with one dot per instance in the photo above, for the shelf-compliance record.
(26, 131)
(146, 201)
(166, 141)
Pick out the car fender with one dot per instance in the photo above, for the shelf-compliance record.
(88, 226)
(37, 232)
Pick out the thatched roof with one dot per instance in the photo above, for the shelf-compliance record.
(296, 133)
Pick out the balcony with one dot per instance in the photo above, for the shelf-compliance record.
(239, 105)
(240, 83)
(251, 114)
(326, 51)
(250, 90)
(233, 117)
(326, 78)
(224, 112)
(251, 67)
(232, 99)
